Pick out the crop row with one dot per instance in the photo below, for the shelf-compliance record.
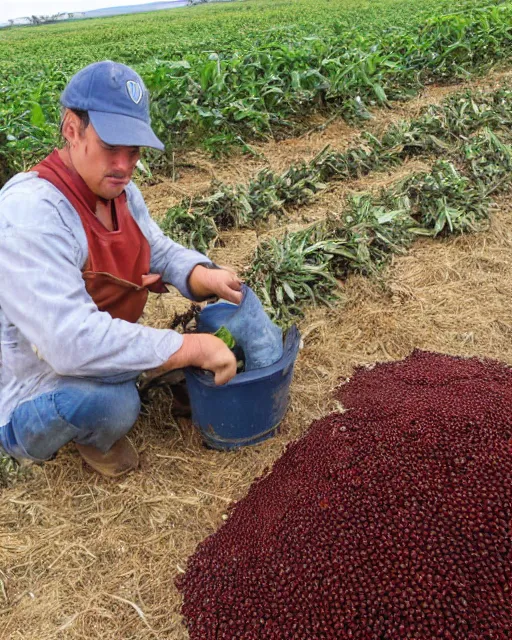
(36, 63)
(303, 267)
(470, 131)
(238, 97)
(224, 98)
(225, 28)
(439, 129)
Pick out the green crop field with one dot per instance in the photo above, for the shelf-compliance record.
(222, 75)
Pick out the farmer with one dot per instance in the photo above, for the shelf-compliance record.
(78, 254)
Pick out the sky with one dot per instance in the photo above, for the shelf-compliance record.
(21, 8)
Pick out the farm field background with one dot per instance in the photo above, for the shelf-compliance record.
(370, 171)
(223, 75)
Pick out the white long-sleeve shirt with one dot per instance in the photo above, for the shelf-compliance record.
(49, 325)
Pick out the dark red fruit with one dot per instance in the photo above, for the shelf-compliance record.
(391, 520)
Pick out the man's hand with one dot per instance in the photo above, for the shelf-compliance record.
(222, 282)
(206, 352)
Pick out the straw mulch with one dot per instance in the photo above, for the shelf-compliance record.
(84, 557)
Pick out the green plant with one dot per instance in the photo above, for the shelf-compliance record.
(10, 470)
(489, 160)
(287, 272)
(444, 200)
(189, 228)
(228, 76)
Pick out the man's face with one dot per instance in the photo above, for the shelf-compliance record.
(105, 169)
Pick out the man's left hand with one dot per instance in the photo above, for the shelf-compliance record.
(222, 282)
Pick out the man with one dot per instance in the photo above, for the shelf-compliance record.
(78, 253)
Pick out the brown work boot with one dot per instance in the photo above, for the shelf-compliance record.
(120, 459)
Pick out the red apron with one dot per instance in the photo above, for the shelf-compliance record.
(116, 271)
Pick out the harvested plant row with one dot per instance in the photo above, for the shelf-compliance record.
(304, 266)
(441, 130)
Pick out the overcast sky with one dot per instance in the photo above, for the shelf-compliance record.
(21, 8)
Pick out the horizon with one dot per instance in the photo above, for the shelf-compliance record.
(19, 9)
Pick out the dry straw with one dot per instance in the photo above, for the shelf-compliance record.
(82, 557)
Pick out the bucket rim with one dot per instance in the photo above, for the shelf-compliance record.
(210, 308)
(290, 352)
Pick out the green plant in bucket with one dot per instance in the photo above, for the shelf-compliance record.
(226, 337)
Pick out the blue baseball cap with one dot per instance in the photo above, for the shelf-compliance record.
(117, 102)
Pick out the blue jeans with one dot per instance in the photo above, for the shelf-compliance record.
(87, 411)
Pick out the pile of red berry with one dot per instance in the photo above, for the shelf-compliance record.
(391, 520)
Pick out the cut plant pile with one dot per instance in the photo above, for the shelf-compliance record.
(440, 131)
(390, 520)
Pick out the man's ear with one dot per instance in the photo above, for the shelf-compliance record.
(71, 127)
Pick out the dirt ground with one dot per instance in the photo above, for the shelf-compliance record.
(82, 557)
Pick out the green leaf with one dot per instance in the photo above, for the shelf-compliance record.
(289, 291)
(226, 337)
(178, 64)
(37, 118)
(421, 231)
(380, 93)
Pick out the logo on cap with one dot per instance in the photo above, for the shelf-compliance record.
(134, 91)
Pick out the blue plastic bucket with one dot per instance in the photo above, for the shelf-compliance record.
(213, 316)
(249, 408)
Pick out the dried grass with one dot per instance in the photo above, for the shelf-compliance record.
(83, 557)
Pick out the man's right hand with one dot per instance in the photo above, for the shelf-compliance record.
(206, 352)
